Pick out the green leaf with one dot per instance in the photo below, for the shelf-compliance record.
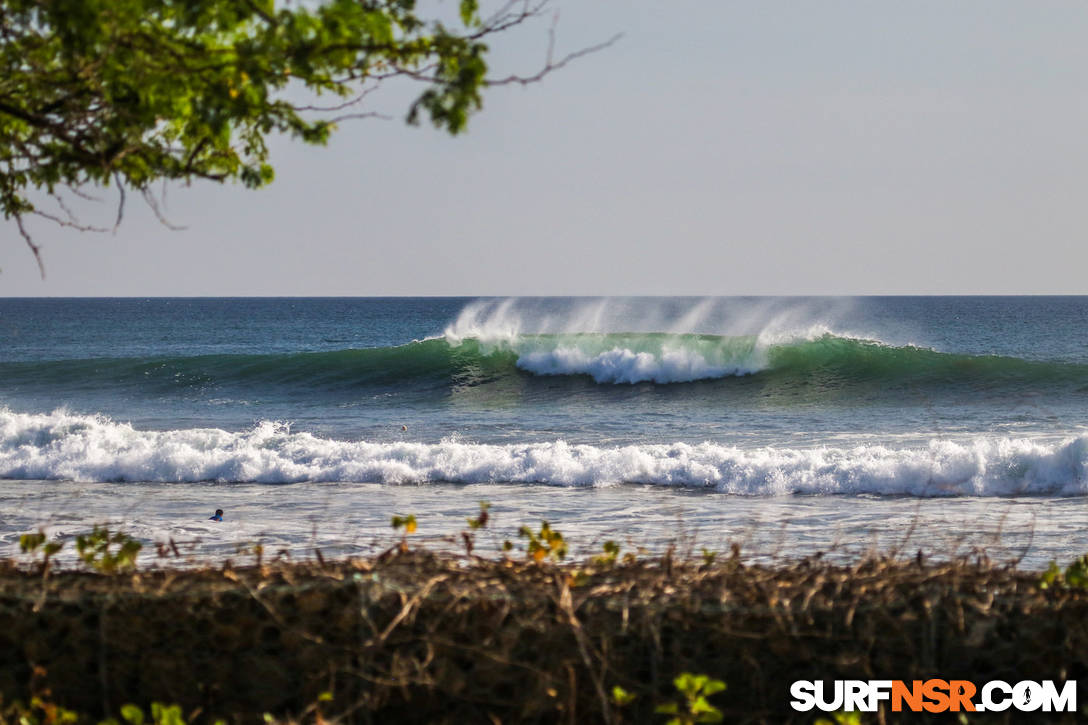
(685, 683)
(132, 714)
(469, 9)
(713, 686)
(166, 714)
(28, 543)
(1076, 574)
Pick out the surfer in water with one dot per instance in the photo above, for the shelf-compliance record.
(218, 516)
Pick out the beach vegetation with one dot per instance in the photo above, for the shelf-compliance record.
(852, 718)
(395, 632)
(480, 521)
(546, 543)
(475, 524)
(160, 715)
(1074, 576)
(692, 705)
(621, 697)
(42, 711)
(407, 524)
(256, 549)
(108, 553)
(38, 544)
(610, 551)
(395, 635)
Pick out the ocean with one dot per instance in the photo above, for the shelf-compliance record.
(786, 426)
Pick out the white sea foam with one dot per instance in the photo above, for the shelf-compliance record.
(778, 318)
(64, 446)
(633, 341)
(622, 365)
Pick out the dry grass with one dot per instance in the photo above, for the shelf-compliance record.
(413, 636)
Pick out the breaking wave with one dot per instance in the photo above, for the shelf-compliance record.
(606, 358)
(65, 446)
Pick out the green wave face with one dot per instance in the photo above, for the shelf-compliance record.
(859, 361)
(604, 359)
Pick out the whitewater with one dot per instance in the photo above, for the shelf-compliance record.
(62, 446)
(791, 425)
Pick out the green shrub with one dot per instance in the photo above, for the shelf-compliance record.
(33, 544)
(544, 543)
(693, 706)
(1075, 575)
(408, 523)
(95, 550)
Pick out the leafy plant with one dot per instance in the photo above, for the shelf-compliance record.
(95, 550)
(133, 92)
(480, 521)
(1051, 577)
(474, 525)
(544, 543)
(40, 712)
(1075, 575)
(693, 708)
(408, 523)
(611, 551)
(621, 697)
(841, 718)
(160, 715)
(32, 543)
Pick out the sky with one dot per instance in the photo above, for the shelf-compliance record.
(718, 148)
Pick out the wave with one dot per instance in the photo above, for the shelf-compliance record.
(64, 446)
(818, 358)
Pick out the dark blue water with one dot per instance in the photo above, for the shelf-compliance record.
(787, 424)
(766, 370)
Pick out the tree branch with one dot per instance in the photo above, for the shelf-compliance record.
(551, 66)
(34, 248)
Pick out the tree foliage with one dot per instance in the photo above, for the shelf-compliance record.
(131, 92)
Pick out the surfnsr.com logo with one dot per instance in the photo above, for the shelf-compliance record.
(933, 696)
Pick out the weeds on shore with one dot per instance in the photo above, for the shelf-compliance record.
(102, 551)
(475, 525)
(1074, 576)
(41, 711)
(693, 706)
(95, 550)
(545, 543)
(36, 543)
(160, 715)
(794, 595)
